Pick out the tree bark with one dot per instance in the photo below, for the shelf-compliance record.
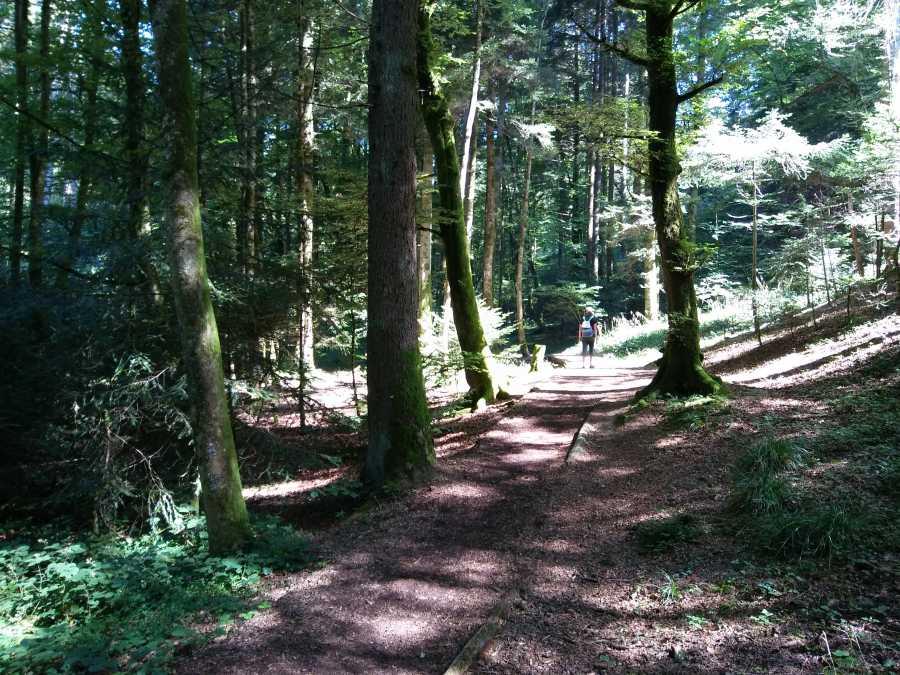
(39, 158)
(399, 424)
(223, 503)
(85, 178)
(681, 370)
(591, 261)
(440, 125)
(466, 170)
(520, 251)
(23, 131)
(425, 187)
(490, 215)
(303, 175)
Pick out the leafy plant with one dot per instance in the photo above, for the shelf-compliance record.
(97, 604)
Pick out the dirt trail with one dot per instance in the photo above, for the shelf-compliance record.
(406, 585)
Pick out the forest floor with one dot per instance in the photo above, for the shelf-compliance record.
(565, 547)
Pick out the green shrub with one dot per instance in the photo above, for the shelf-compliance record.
(770, 456)
(104, 604)
(657, 536)
(811, 531)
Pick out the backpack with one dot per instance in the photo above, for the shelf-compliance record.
(587, 330)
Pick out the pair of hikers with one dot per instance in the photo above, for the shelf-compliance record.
(588, 330)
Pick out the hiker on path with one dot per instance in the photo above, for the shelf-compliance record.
(587, 333)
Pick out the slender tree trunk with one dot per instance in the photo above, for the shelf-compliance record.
(248, 132)
(681, 371)
(754, 272)
(85, 181)
(879, 245)
(226, 513)
(23, 131)
(399, 424)
(651, 280)
(305, 188)
(452, 220)
(466, 172)
(39, 159)
(520, 251)
(425, 186)
(591, 238)
(135, 145)
(469, 201)
(490, 215)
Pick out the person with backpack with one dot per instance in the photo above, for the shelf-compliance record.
(587, 333)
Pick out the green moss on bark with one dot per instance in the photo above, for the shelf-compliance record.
(451, 220)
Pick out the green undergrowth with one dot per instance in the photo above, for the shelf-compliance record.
(71, 603)
(692, 413)
(834, 498)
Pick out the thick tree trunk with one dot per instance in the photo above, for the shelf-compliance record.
(305, 188)
(452, 220)
(39, 158)
(490, 215)
(399, 424)
(681, 370)
(23, 131)
(223, 503)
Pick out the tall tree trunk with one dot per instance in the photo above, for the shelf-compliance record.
(520, 251)
(754, 254)
(466, 171)
(247, 218)
(425, 186)
(303, 175)
(39, 158)
(591, 222)
(135, 153)
(85, 178)
(440, 125)
(226, 513)
(135, 145)
(23, 131)
(490, 215)
(399, 424)
(651, 279)
(681, 371)
(469, 198)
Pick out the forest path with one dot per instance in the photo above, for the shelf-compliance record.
(405, 585)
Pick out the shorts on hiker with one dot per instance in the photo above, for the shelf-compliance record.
(587, 346)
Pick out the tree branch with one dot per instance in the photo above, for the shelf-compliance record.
(615, 49)
(683, 6)
(633, 4)
(700, 88)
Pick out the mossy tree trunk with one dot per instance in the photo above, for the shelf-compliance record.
(681, 369)
(520, 252)
(223, 503)
(490, 214)
(451, 218)
(399, 424)
(425, 187)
